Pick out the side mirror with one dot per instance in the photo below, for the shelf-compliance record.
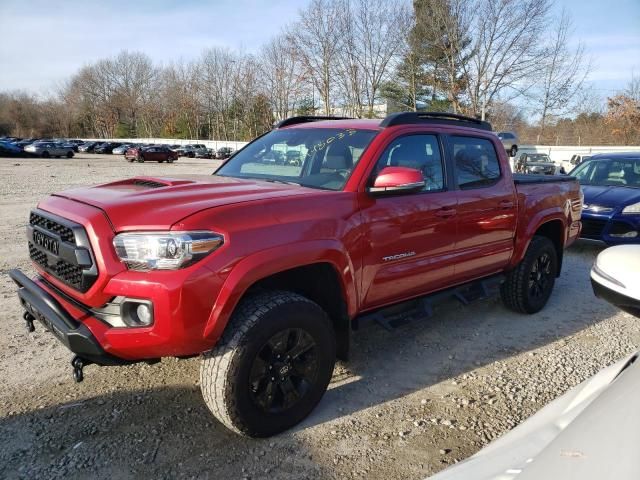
(392, 180)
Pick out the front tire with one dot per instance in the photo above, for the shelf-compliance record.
(45, 155)
(528, 287)
(271, 366)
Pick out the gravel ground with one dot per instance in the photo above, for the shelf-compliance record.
(409, 403)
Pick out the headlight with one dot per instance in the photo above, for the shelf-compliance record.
(166, 250)
(635, 208)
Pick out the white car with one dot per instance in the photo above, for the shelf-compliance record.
(615, 277)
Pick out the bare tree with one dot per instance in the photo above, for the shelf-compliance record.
(316, 37)
(380, 28)
(508, 48)
(282, 76)
(563, 73)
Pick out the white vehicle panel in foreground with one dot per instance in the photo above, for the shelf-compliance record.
(590, 433)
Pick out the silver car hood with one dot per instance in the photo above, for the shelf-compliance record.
(591, 432)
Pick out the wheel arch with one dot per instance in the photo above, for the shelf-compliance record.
(322, 274)
(553, 228)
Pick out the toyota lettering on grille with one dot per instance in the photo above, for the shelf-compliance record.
(46, 242)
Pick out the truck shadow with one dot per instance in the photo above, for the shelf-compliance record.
(153, 430)
(155, 433)
(457, 339)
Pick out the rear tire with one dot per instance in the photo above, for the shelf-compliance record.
(514, 150)
(528, 287)
(69, 154)
(271, 366)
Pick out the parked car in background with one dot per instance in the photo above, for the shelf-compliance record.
(578, 159)
(49, 149)
(293, 157)
(87, 147)
(509, 142)
(151, 154)
(224, 152)
(611, 187)
(10, 149)
(205, 153)
(539, 163)
(190, 150)
(107, 147)
(120, 150)
(23, 143)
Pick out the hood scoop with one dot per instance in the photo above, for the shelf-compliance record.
(148, 182)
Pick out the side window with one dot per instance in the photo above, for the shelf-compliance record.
(476, 162)
(416, 151)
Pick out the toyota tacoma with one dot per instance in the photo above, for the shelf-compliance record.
(264, 268)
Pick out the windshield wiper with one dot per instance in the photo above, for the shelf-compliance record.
(277, 180)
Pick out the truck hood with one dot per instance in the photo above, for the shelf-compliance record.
(157, 203)
(609, 196)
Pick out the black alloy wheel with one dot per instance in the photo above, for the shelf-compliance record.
(540, 278)
(283, 371)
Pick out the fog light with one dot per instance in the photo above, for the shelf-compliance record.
(136, 313)
(144, 314)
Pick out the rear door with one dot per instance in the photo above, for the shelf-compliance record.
(486, 207)
(409, 237)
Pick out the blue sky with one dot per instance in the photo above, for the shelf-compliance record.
(45, 41)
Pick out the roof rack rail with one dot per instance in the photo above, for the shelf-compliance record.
(404, 118)
(306, 119)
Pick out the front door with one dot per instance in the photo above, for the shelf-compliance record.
(409, 237)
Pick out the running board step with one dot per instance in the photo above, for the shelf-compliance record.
(422, 308)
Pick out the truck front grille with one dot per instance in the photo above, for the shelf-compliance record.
(68, 273)
(65, 233)
(66, 252)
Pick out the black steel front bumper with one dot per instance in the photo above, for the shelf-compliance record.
(621, 301)
(48, 311)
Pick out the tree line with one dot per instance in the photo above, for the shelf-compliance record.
(509, 61)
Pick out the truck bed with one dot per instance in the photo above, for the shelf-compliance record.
(523, 179)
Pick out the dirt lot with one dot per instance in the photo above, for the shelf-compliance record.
(409, 403)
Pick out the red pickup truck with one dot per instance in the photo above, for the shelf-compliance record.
(264, 267)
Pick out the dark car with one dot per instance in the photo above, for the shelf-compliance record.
(224, 152)
(107, 147)
(88, 146)
(9, 149)
(151, 154)
(539, 163)
(190, 150)
(611, 187)
(23, 143)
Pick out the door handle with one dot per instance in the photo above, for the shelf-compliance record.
(506, 204)
(446, 212)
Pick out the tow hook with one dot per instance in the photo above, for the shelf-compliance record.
(29, 319)
(78, 364)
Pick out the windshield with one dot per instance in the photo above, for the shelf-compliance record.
(312, 157)
(538, 158)
(609, 172)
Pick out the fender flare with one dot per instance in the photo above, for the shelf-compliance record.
(538, 220)
(268, 262)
